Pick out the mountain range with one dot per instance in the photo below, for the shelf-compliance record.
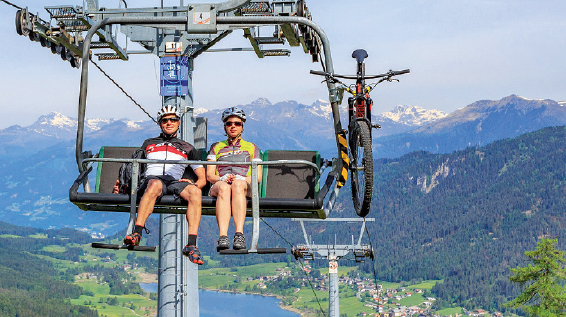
(38, 164)
(478, 124)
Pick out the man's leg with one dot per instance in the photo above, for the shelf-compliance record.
(193, 195)
(152, 192)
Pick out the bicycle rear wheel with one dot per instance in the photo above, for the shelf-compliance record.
(361, 167)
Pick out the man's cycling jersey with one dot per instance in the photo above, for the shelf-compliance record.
(164, 148)
(241, 151)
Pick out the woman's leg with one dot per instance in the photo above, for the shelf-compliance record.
(221, 190)
(239, 194)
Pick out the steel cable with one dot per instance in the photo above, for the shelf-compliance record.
(122, 89)
(373, 258)
(13, 5)
(103, 72)
(302, 267)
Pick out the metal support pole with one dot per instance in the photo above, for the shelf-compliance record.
(178, 277)
(333, 290)
(168, 302)
(255, 207)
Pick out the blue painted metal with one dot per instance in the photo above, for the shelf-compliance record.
(174, 76)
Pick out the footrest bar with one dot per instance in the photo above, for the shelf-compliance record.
(258, 251)
(98, 245)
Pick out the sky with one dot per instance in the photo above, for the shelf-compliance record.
(459, 52)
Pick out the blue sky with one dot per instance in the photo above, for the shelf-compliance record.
(458, 52)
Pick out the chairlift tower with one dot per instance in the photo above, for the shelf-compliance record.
(333, 253)
(177, 35)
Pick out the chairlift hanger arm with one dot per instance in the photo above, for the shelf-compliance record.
(221, 7)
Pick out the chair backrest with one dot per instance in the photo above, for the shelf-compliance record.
(107, 172)
(290, 180)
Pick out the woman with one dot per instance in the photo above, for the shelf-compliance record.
(232, 184)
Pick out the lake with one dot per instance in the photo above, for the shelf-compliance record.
(219, 304)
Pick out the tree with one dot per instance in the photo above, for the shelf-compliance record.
(545, 294)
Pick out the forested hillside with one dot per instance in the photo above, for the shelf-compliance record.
(31, 286)
(467, 217)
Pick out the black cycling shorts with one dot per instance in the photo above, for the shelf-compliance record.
(170, 185)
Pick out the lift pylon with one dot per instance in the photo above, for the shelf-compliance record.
(333, 253)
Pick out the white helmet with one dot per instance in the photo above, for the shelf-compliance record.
(165, 110)
(234, 111)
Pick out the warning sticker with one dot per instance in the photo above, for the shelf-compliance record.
(332, 267)
(201, 18)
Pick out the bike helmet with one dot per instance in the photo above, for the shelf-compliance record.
(165, 110)
(234, 111)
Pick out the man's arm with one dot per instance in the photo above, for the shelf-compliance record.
(201, 180)
(211, 174)
(116, 188)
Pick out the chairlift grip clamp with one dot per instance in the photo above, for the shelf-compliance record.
(86, 154)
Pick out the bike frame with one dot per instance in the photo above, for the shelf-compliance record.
(360, 105)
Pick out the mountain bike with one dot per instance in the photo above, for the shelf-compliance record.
(359, 127)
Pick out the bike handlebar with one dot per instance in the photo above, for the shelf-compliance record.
(318, 72)
(390, 73)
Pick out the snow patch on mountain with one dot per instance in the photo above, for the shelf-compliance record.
(134, 125)
(199, 111)
(95, 124)
(58, 120)
(321, 108)
(261, 102)
(413, 115)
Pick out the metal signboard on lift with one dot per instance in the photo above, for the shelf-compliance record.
(174, 76)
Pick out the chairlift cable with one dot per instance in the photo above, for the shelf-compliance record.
(156, 72)
(302, 267)
(13, 5)
(289, 243)
(119, 87)
(312, 287)
(373, 258)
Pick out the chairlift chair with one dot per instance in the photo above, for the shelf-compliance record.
(317, 204)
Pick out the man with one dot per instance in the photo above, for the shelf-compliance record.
(232, 184)
(161, 179)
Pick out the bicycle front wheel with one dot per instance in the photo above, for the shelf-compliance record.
(361, 167)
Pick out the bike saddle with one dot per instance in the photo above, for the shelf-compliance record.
(360, 55)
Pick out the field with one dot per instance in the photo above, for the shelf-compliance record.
(238, 279)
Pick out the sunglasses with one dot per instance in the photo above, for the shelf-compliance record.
(165, 120)
(231, 123)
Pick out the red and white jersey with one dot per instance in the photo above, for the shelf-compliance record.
(169, 149)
